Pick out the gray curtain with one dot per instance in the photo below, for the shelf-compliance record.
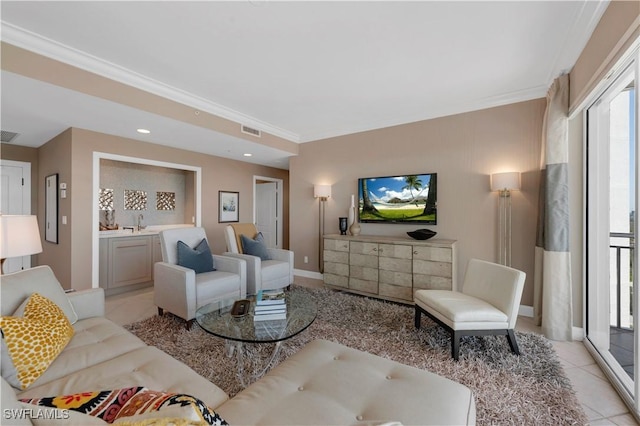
(553, 308)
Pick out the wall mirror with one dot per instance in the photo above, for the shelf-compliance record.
(51, 209)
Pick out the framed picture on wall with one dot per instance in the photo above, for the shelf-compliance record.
(228, 205)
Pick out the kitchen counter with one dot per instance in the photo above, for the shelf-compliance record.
(149, 230)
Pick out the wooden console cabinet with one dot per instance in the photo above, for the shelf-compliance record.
(389, 268)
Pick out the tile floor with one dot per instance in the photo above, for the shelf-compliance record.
(601, 403)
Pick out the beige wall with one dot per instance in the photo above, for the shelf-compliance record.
(463, 149)
(55, 157)
(72, 155)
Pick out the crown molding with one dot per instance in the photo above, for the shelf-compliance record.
(577, 37)
(437, 112)
(38, 44)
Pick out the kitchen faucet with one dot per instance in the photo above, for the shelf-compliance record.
(140, 217)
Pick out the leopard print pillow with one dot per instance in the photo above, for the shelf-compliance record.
(35, 340)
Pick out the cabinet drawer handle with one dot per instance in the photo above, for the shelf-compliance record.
(415, 252)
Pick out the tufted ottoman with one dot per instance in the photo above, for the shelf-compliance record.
(330, 384)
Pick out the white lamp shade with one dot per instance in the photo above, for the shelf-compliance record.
(505, 181)
(19, 236)
(321, 191)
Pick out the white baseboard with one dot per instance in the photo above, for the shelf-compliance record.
(577, 333)
(308, 274)
(526, 311)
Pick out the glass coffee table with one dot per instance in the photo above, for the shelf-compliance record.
(216, 319)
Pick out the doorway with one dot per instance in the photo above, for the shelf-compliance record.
(612, 204)
(16, 199)
(267, 209)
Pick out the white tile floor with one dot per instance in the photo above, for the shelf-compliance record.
(601, 402)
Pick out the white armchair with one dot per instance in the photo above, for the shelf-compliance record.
(261, 274)
(181, 291)
(488, 304)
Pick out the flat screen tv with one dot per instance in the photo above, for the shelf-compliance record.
(398, 199)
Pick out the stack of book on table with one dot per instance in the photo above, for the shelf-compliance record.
(272, 329)
(270, 305)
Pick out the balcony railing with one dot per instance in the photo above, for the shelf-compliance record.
(621, 277)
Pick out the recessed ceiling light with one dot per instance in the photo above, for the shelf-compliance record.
(144, 131)
(247, 155)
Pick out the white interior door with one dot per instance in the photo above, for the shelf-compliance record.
(15, 198)
(267, 212)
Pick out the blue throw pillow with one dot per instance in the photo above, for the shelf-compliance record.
(199, 258)
(255, 247)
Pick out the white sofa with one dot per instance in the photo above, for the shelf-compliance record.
(324, 383)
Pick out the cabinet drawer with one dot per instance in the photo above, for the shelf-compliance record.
(395, 292)
(363, 273)
(336, 268)
(363, 260)
(430, 282)
(395, 251)
(363, 285)
(440, 269)
(392, 264)
(336, 256)
(358, 247)
(336, 280)
(437, 254)
(336, 245)
(403, 279)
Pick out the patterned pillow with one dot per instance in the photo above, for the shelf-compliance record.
(134, 404)
(35, 340)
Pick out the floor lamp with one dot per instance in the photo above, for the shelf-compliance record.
(504, 183)
(19, 236)
(323, 192)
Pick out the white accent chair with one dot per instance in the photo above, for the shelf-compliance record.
(181, 291)
(487, 305)
(261, 274)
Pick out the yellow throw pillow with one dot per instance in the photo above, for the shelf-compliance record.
(35, 340)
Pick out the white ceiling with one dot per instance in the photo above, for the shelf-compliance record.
(300, 70)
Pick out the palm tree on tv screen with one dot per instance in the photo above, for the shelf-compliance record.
(367, 205)
(430, 206)
(412, 182)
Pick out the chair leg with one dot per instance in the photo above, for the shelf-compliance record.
(511, 337)
(160, 311)
(455, 344)
(418, 315)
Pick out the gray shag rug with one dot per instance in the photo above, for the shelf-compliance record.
(529, 389)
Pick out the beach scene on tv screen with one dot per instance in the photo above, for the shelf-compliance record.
(410, 198)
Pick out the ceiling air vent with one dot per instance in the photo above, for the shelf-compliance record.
(248, 130)
(6, 136)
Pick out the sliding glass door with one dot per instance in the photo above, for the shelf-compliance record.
(611, 233)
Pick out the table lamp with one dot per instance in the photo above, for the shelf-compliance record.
(19, 236)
